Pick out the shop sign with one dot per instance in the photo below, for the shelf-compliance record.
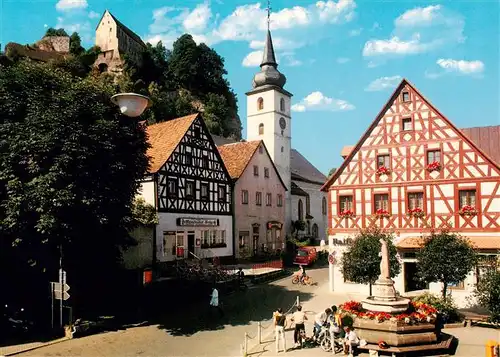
(197, 222)
(274, 224)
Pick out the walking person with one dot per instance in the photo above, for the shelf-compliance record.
(279, 323)
(214, 301)
(299, 318)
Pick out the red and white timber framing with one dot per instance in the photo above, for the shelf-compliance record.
(463, 167)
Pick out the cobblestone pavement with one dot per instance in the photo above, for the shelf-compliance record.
(190, 332)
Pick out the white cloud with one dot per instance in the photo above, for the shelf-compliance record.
(333, 12)
(419, 30)
(197, 20)
(383, 83)
(279, 43)
(94, 15)
(45, 25)
(67, 5)
(289, 59)
(342, 60)
(317, 101)
(83, 28)
(253, 59)
(355, 32)
(461, 66)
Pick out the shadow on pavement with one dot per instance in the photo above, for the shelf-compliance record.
(239, 308)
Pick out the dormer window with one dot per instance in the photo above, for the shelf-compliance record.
(260, 103)
(261, 129)
(406, 97)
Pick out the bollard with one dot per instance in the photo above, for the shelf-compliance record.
(259, 332)
(298, 301)
(490, 348)
(245, 345)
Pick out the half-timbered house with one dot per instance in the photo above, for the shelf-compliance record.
(413, 171)
(259, 198)
(191, 189)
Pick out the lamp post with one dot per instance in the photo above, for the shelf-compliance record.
(131, 105)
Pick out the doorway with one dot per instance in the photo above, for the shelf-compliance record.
(412, 282)
(190, 244)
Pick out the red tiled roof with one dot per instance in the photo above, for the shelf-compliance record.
(487, 138)
(236, 156)
(164, 138)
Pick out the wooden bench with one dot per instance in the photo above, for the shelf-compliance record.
(406, 350)
(473, 318)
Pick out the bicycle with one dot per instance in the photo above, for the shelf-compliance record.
(296, 279)
(325, 341)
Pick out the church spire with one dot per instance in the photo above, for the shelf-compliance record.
(269, 74)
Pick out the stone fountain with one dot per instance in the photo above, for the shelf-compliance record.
(401, 336)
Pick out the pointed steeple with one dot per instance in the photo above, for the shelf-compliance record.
(269, 74)
(269, 58)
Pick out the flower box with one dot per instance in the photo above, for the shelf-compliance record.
(382, 170)
(346, 214)
(434, 166)
(468, 211)
(213, 245)
(416, 212)
(382, 213)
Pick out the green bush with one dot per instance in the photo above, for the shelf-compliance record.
(446, 307)
(488, 294)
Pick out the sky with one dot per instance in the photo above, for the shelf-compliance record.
(342, 58)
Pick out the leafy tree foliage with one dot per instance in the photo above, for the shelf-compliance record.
(68, 175)
(75, 44)
(332, 171)
(361, 261)
(446, 258)
(143, 213)
(52, 32)
(487, 293)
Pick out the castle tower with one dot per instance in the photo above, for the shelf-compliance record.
(269, 117)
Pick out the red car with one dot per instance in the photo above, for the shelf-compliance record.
(305, 256)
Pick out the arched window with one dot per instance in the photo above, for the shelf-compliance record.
(261, 129)
(324, 206)
(103, 67)
(308, 228)
(260, 103)
(308, 205)
(282, 104)
(315, 232)
(301, 210)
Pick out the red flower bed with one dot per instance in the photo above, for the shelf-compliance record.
(382, 213)
(468, 211)
(417, 312)
(346, 213)
(382, 170)
(416, 212)
(434, 166)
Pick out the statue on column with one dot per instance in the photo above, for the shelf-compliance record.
(384, 263)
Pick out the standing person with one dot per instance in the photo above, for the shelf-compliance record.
(298, 317)
(279, 323)
(241, 277)
(214, 301)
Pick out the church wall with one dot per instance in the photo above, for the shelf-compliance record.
(105, 34)
(316, 208)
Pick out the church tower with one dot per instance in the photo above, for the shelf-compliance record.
(269, 118)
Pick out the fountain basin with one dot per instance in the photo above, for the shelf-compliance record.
(395, 333)
(395, 306)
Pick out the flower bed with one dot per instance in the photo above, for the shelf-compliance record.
(382, 170)
(416, 212)
(382, 213)
(468, 211)
(434, 166)
(346, 214)
(417, 313)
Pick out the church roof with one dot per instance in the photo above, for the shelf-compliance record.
(164, 138)
(303, 170)
(487, 138)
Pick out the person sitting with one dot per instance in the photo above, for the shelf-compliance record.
(320, 320)
(351, 340)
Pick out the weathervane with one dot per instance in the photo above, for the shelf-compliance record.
(268, 14)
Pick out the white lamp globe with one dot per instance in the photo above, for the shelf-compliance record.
(131, 104)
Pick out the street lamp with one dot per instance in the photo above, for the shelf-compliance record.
(131, 104)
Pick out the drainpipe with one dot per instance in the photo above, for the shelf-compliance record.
(233, 204)
(153, 262)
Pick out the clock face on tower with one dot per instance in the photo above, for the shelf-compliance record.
(282, 123)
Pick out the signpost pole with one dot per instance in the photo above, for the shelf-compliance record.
(52, 305)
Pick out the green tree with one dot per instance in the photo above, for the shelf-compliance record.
(55, 32)
(332, 171)
(143, 213)
(68, 180)
(446, 258)
(75, 44)
(487, 293)
(361, 261)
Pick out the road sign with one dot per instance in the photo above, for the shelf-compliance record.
(61, 287)
(60, 295)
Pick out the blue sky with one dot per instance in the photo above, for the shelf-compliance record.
(342, 58)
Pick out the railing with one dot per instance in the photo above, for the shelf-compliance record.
(275, 264)
(260, 329)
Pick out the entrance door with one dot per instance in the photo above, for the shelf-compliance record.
(412, 282)
(255, 245)
(190, 244)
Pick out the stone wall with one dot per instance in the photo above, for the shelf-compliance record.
(54, 43)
